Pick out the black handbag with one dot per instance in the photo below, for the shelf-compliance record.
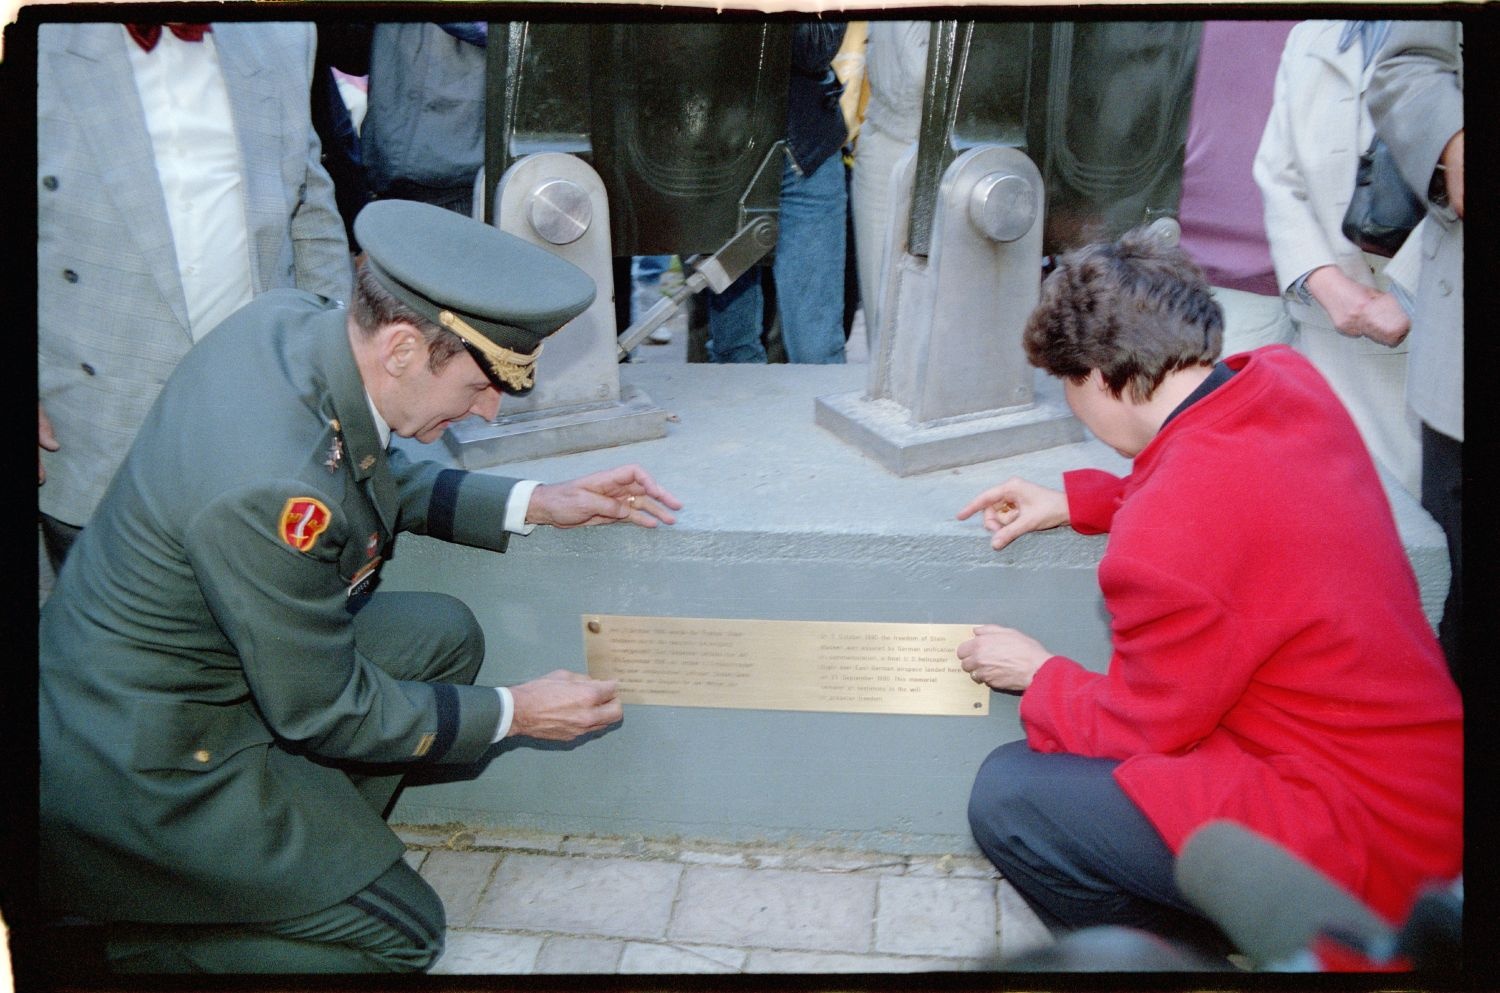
(1383, 209)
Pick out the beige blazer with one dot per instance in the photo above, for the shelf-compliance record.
(112, 319)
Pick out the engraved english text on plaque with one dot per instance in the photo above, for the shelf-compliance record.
(840, 666)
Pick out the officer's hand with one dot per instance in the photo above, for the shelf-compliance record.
(1015, 507)
(563, 705)
(1002, 658)
(624, 493)
(45, 438)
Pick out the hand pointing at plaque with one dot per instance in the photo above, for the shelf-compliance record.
(1015, 507)
(1002, 658)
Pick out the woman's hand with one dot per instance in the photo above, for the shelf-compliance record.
(1002, 658)
(1015, 507)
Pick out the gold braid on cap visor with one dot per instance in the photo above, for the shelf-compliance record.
(514, 369)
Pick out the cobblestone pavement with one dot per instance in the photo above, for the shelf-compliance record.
(523, 903)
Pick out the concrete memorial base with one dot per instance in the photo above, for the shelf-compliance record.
(883, 429)
(783, 520)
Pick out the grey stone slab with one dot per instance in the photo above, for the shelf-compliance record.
(415, 857)
(694, 857)
(642, 958)
(615, 898)
(634, 417)
(579, 956)
(518, 841)
(486, 953)
(459, 878)
(957, 866)
(1021, 930)
(624, 847)
(885, 431)
(825, 860)
(954, 918)
(768, 961)
(775, 908)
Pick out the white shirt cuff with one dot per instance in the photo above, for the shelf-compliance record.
(507, 712)
(516, 505)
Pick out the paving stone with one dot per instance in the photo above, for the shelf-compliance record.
(775, 908)
(519, 841)
(459, 878)
(817, 860)
(641, 958)
(615, 898)
(487, 953)
(579, 956)
(1020, 928)
(622, 847)
(956, 866)
(415, 857)
(769, 961)
(952, 918)
(712, 858)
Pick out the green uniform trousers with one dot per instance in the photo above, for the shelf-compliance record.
(395, 924)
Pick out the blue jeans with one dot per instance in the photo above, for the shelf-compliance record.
(645, 282)
(809, 273)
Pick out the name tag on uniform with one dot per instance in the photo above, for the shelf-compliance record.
(364, 578)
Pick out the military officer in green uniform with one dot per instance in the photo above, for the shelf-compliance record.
(225, 705)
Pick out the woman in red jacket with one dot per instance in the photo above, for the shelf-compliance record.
(1271, 663)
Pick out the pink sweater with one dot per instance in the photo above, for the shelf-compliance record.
(1272, 664)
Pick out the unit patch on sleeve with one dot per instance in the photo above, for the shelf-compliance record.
(302, 520)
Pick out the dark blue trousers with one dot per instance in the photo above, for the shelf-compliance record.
(1063, 833)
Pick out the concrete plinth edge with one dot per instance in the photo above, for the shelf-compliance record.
(478, 444)
(882, 430)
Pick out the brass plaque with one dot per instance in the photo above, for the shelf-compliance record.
(839, 666)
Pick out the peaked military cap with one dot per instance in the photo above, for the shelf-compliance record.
(500, 294)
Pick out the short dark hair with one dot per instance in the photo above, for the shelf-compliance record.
(374, 306)
(1135, 309)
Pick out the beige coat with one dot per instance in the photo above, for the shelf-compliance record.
(112, 320)
(1305, 166)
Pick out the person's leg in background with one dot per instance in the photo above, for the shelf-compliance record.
(809, 262)
(734, 321)
(645, 291)
(870, 194)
